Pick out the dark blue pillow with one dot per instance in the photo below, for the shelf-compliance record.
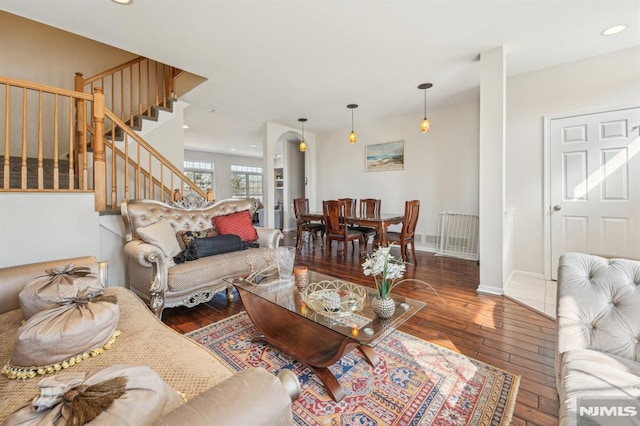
(219, 244)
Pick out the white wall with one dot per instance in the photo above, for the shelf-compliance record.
(606, 80)
(167, 134)
(441, 167)
(112, 240)
(35, 227)
(222, 168)
(492, 171)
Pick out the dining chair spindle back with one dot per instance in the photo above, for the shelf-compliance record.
(370, 207)
(407, 235)
(336, 229)
(301, 206)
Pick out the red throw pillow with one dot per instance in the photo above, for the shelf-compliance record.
(236, 223)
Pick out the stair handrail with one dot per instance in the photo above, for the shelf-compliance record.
(45, 88)
(99, 156)
(134, 93)
(110, 71)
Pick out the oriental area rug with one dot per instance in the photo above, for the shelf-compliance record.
(415, 382)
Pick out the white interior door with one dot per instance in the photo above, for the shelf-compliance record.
(595, 184)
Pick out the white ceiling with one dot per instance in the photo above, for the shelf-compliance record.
(278, 60)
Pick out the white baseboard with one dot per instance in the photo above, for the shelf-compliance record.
(528, 274)
(490, 290)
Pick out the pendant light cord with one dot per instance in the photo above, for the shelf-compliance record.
(425, 103)
(351, 120)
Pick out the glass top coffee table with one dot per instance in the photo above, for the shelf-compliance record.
(318, 334)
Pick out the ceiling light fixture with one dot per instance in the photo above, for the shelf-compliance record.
(425, 125)
(185, 126)
(352, 135)
(613, 30)
(123, 1)
(303, 145)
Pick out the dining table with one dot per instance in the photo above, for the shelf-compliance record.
(379, 222)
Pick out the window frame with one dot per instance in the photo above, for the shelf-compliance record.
(248, 172)
(200, 167)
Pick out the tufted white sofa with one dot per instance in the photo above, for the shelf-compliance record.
(164, 284)
(598, 335)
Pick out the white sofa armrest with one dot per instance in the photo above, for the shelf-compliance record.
(138, 251)
(269, 237)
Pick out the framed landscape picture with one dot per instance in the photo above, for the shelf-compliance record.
(385, 156)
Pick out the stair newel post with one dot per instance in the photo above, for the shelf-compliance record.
(81, 140)
(99, 164)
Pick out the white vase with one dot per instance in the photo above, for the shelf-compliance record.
(383, 308)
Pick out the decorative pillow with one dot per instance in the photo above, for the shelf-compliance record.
(210, 246)
(238, 223)
(187, 236)
(57, 338)
(119, 394)
(39, 294)
(190, 253)
(218, 245)
(162, 235)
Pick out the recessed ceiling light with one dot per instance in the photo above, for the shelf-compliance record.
(253, 145)
(123, 1)
(185, 126)
(233, 149)
(614, 30)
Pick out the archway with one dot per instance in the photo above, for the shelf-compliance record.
(275, 136)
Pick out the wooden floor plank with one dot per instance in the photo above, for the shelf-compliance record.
(492, 329)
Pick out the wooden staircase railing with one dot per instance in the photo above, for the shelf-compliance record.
(134, 88)
(57, 126)
(39, 122)
(136, 169)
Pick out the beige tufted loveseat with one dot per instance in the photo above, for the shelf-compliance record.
(163, 283)
(598, 335)
(216, 395)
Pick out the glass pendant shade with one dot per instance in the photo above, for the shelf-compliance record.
(424, 126)
(303, 145)
(352, 135)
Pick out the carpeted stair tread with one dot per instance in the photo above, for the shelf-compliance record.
(15, 173)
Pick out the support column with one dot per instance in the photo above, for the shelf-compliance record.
(492, 170)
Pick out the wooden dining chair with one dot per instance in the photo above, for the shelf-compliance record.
(369, 207)
(300, 206)
(336, 229)
(407, 235)
(351, 205)
(351, 211)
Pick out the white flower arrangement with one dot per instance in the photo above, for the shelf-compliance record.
(386, 270)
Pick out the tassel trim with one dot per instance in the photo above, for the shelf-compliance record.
(23, 373)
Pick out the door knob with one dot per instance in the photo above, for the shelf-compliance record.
(557, 207)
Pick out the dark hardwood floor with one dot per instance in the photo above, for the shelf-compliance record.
(492, 329)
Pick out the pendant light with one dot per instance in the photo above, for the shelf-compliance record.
(352, 135)
(303, 145)
(425, 125)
